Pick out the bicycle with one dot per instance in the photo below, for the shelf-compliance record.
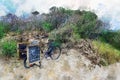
(53, 51)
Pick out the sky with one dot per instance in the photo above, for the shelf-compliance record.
(107, 10)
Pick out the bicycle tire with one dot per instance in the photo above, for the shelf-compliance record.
(55, 53)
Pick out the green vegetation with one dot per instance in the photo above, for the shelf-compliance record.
(108, 46)
(66, 25)
(107, 52)
(86, 24)
(47, 26)
(2, 30)
(89, 16)
(111, 37)
(62, 34)
(83, 27)
(104, 45)
(9, 48)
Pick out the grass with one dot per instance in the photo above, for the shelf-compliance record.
(2, 29)
(9, 48)
(106, 51)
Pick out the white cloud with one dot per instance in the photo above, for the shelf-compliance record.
(44, 5)
(3, 10)
(108, 10)
(16, 1)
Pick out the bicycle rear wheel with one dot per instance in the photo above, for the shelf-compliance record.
(55, 53)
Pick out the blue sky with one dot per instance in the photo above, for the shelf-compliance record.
(105, 9)
(9, 5)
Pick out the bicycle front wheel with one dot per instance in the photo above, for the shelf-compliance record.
(55, 53)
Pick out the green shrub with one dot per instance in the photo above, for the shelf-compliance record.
(87, 25)
(116, 40)
(1, 31)
(57, 38)
(86, 29)
(89, 16)
(4, 28)
(47, 26)
(111, 37)
(64, 34)
(76, 35)
(9, 48)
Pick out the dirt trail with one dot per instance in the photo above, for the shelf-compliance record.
(72, 66)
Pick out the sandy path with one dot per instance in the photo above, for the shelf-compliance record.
(68, 67)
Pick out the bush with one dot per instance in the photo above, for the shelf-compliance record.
(88, 25)
(86, 29)
(47, 26)
(116, 40)
(57, 38)
(89, 16)
(111, 37)
(63, 34)
(9, 48)
(4, 28)
(1, 31)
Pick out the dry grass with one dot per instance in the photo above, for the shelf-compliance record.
(107, 52)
